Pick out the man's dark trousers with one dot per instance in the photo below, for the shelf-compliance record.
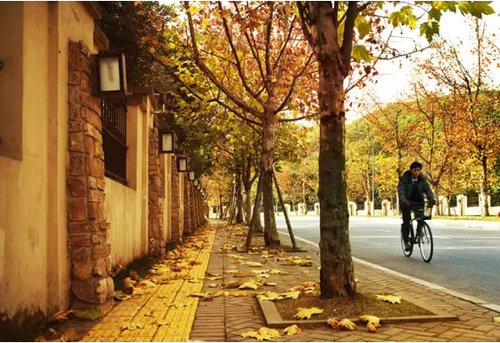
(406, 211)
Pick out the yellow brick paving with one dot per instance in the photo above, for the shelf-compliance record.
(166, 312)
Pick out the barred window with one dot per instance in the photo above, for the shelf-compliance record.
(114, 136)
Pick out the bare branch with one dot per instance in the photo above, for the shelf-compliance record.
(298, 118)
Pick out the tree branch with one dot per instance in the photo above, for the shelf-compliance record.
(298, 118)
(238, 101)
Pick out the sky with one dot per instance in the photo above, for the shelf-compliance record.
(393, 80)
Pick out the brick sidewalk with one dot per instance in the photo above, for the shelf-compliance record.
(225, 318)
(155, 313)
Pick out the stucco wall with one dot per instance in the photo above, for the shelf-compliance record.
(126, 205)
(34, 268)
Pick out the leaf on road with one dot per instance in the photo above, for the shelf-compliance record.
(233, 284)
(306, 313)
(346, 324)
(264, 334)
(60, 315)
(372, 322)
(239, 294)
(213, 278)
(253, 264)
(333, 322)
(291, 295)
(274, 271)
(249, 285)
(496, 319)
(292, 330)
(90, 314)
(305, 272)
(131, 326)
(269, 283)
(213, 285)
(241, 274)
(146, 284)
(270, 296)
(390, 298)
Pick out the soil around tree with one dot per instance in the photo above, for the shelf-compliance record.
(363, 304)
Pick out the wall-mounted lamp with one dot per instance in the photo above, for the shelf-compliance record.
(109, 77)
(166, 142)
(196, 183)
(182, 164)
(191, 176)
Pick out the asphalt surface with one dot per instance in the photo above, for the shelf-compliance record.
(465, 260)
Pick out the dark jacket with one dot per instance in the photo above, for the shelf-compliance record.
(406, 185)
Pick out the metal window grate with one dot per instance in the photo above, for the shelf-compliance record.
(114, 135)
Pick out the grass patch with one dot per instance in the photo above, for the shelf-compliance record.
(349, 308)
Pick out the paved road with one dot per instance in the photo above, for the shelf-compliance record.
(465, 259)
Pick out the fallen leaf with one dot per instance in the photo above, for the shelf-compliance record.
(305, 272)
(178, 305)
(233, 284)
(292, 330)
(211, 274)
(233, 271)
(306, 313)
(249, 285)
(239, 294)
(213, 278)
(60, 315)
(390, 298)
(263, 276)
(274, 271)
(291, 295)
(269, 283)
(146, 283)
(346, 324)
(241, 274)
(307, 284)
(270, 296)
(259, 271)
(128, 285)
(220, 294)
(132, 326)
(213, 285)
(333, 322)
(372, 322)
(496, 319)
(120, 296)
(237, 256)
(253, 264)
(263, 334)
(90, 314)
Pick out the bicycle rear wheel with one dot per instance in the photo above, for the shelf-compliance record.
(410, 241)
(425, 242)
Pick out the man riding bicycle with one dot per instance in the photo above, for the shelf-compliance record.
(411, 188)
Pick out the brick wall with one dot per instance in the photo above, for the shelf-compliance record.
(89, 250)
(156, 197)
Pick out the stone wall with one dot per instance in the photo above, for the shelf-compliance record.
(176, 204)
(156, 197)
(89, 250)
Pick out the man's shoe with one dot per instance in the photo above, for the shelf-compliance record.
(407, 247)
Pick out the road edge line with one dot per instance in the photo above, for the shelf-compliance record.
(463, 296)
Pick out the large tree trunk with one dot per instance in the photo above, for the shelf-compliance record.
(239, 199)
(485, 211)
(269, 123)
(337, 269)
(248, 206)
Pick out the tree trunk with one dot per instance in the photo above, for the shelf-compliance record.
(485, 211)
(304, 196)
(269, 123)
(248, 206)
(221, 207)
(337, 269)
(239, 199)
(285, 214)
(255, 222)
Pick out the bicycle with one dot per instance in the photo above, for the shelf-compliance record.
(423, 235)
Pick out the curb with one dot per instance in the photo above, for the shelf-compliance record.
(477, 301)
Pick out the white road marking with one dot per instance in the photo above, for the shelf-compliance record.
(382, 230)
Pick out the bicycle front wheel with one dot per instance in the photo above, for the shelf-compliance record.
(425, 242)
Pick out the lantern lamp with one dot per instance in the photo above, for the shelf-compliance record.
(166, 142)
(109, 75)
(191, 176)
(182, 164)
(196, 183)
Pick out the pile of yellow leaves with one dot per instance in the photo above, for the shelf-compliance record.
(372, 322)
(344, 324)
